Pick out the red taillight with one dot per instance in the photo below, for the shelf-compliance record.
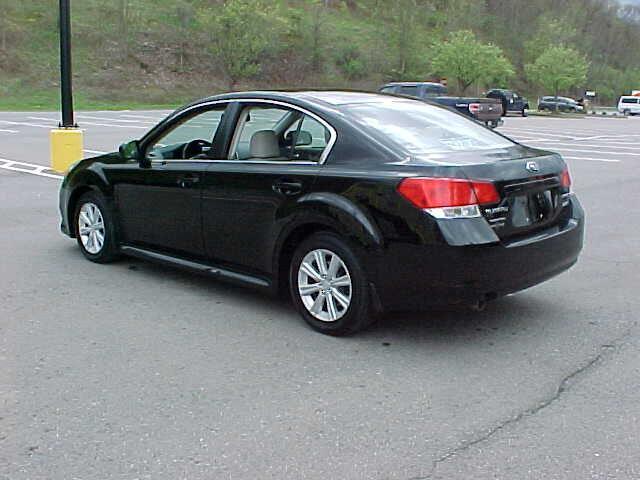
(474, 107)
(447, 192)
(565, 179)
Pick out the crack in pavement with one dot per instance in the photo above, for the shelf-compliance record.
(563, 386)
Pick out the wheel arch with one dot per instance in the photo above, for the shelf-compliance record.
(324, 212)
(79, 189)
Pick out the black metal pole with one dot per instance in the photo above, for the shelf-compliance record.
(66, 93)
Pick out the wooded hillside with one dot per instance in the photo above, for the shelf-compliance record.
(165, 51)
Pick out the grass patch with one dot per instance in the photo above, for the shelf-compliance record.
(49, 100)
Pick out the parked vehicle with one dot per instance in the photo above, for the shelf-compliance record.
(354, 203)
(511, 101)
(629, 105)
(487, 111)
(559, 104)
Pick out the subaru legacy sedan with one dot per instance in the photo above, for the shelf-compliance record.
(353, 203)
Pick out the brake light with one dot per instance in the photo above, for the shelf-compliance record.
(474, 107)
(565, 179)
(448, 197)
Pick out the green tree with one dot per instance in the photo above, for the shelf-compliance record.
(463, 58)
(558, 68)
(240, 33)
(550, 32)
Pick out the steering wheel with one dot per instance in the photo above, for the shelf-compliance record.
(194, 148)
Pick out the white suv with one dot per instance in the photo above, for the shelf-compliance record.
(629, 105)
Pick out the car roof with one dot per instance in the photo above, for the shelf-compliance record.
(412, 84)
(317, 97)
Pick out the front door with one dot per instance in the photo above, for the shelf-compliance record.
(159, 200)
(274, 158)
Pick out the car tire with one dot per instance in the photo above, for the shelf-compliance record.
(94, 228)
(337, 303)
(626, 113)
(523, 112)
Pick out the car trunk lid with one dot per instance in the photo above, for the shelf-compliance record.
(532, 193)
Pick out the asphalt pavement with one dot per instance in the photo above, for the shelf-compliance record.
(138, 371)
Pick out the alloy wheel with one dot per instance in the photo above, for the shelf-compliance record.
(91, 228)
(324, 285)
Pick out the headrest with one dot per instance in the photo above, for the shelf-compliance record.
(264, 144)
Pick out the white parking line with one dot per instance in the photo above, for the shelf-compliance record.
(113, 119)
(114, 125)
(94, 124)
(573, 135)
(144, 116)
(612, 148)
(516, 130)
(607, 160)
(30, 168)
(8, 131)
(8, 122)
(596, 151)
(95, 152)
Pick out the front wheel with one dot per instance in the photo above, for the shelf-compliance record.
(94, 228)
(328, 285)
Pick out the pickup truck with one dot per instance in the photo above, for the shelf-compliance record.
(485, 110)
(511, 101)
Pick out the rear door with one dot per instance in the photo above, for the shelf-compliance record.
(265, 174)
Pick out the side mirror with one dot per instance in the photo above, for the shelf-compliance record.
(130, 150)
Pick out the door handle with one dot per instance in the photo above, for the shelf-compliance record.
(287, 187)
(186, 181)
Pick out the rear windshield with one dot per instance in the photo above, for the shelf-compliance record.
(420, 128)
(629, 100)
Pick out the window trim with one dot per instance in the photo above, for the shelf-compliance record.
(327, 151)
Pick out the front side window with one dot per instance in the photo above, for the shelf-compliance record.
(191, 137)
(420, 128)
(266, 133)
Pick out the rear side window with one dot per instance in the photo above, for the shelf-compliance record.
(278, 133)
(630, 100)
(420, 128)
(435, 90)
(410, 90)
(388, 90)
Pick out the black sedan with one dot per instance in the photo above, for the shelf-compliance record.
(354, 203)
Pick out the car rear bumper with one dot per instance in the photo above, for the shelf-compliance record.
(420, 276)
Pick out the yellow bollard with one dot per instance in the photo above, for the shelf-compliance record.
(66, 148)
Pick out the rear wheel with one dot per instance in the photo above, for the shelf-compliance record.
(328, 285)
(94, 228)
